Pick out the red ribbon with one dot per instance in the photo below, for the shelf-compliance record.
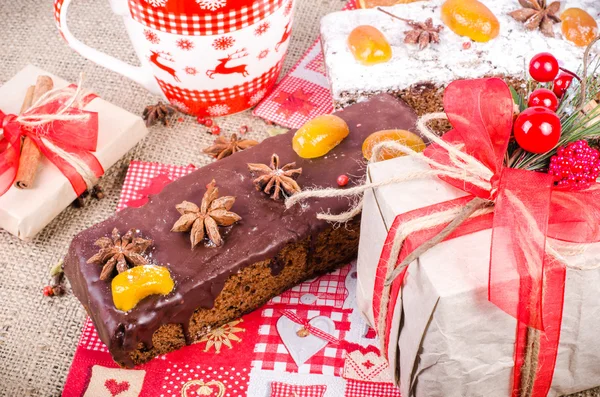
(76, 139)
(319, 333)
(524, 281)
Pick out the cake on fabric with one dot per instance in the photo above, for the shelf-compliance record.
(419, 75)
(266, 252)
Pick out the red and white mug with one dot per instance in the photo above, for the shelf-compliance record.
(207, 57)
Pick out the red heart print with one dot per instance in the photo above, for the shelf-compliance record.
(116, 388)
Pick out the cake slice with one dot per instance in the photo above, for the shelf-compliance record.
(420, 76)
(267, 252)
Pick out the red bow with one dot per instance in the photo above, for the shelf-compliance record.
(64, 134)
(525, 281)
(311, 330)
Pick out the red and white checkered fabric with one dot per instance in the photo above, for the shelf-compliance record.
(89, 338)
(280, 389)
(271, 354)
(327, 290)
(304, 93)
(356, 388)
(224, 101)
(177, 18)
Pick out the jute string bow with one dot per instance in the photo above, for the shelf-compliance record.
(526, 215)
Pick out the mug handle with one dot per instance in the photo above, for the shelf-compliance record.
(136, 73)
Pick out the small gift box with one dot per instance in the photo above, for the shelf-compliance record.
(481, 280)
(82, 136)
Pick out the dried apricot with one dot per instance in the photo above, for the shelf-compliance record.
(470, 18)
(133, 285)
(579, 27)
(404, 137)
(369, 46)
(319, 135)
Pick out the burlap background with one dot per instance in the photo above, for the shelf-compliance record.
(38, 335)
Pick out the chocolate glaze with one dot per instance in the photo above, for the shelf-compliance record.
(265, 229)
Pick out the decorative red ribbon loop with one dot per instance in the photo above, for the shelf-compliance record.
(65, 134)
(319, 333)
(525, 281)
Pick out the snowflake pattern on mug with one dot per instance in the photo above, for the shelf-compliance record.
(223, 43)
(180, 105)
(257, 97)
(157, 3)
(184, 44)
(263, 54)
(211, 5)
(151, 36)
(262, 29)
(218, 110)
(192, 71)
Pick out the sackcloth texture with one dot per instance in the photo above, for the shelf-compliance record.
(38, 335)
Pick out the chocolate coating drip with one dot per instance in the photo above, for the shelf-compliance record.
(265, 229)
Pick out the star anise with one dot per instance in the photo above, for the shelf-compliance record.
(161, 112)
(536, 14)
(120, 252)
(422, 33)
(205, 220)
(223, 147)
(280, 181)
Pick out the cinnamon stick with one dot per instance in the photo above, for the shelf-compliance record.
(30, 154)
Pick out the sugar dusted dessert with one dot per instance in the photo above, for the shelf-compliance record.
(418, 72)
(214, 245)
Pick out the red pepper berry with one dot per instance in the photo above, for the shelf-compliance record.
(543, 67)
(208, 122)
(466, 45)
(201, 120)
(575, 166)
(48, 291)
(215, 130)
(562, 84)
(537, 129)
(243, 129)
(543, 97)
(342, 180)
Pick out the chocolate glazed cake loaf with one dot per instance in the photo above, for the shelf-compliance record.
(268, 251)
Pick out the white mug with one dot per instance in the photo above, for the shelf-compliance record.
(207, 57)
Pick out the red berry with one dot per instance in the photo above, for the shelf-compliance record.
(537, 129)
(543, 97)
(243, 129)
(48, 291)
(575, 166)
(201, 120)
(543, 67)
(562, 84)
(208, 122)
(215, 130)
(342, 180)
(466, 45)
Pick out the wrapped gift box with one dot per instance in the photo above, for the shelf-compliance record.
(25, 212)
(451, 341)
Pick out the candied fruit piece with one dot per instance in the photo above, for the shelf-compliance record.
(319, 135)
(133, 285)
(579, 27)
(404, 137)
(369, 46)
(470, 18)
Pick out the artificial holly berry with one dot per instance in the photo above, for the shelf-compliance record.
(537, 129)
(562, 84)
(543, 97)
(48, 291)
(543, 67)
(201, 120)
(215, 130)
(342, 180)
(243, 129)
(575, 166)
(208, 122)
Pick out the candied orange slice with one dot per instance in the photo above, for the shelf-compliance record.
(369, 46)
(382, 3)
(404, 137)
(319, 135)
(470, 18)
(133, 285)
(579, 27)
